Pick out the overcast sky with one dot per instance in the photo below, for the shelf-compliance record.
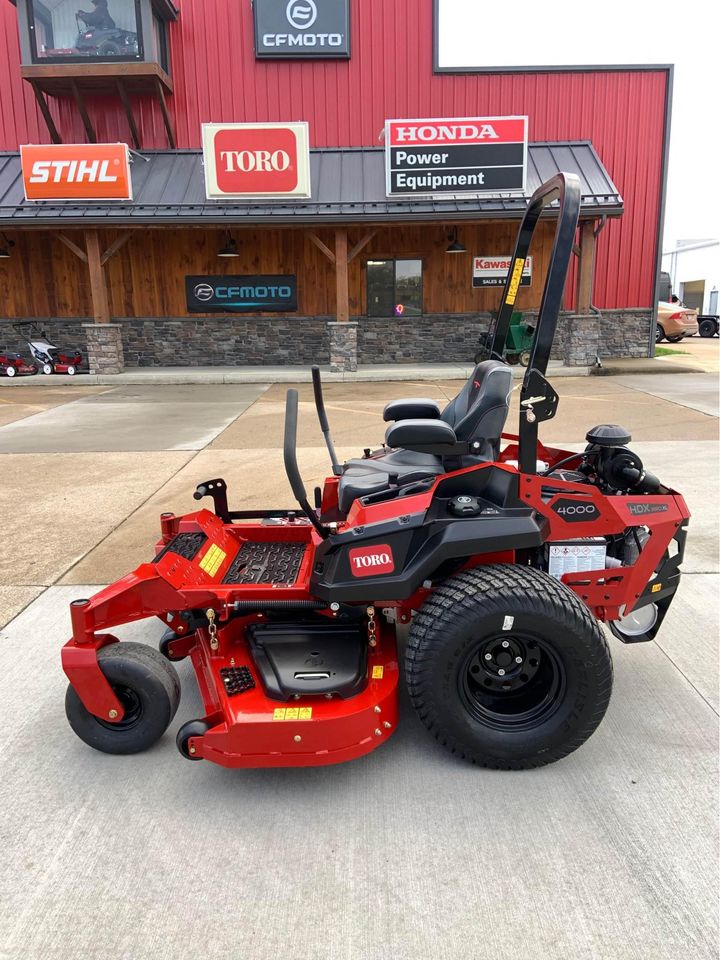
(617, 31)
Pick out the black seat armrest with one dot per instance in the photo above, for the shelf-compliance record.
(411, 408)
(423, 436)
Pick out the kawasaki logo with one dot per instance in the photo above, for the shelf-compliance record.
(371, 561)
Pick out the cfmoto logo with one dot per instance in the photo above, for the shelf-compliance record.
(301, 14)
(203, 291)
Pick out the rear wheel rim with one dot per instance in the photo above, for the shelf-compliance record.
(132, 705)
(512, 682)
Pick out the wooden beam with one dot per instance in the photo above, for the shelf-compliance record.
(360, 244)
(73, 246)
(160, 93)
(586, 268)
(114, 247)
(98, 290)
(82, 110)
(45, 111)
(321, 246)
(125, 100)
(341, 276)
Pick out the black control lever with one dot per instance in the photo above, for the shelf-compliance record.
(217, 489)
(291, 467)
(322, 417)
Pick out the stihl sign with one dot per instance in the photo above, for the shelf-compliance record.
(256, 159)
(371, 561)
(79, 171)
(462, 155)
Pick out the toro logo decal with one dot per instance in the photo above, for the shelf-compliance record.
(256, 159)
(575, 511)
(371, 561)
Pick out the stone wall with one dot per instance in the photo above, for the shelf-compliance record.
(227, 341)
(437, 338)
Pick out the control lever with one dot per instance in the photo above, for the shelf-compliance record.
(217, 489)
(291, 467)
(322, 417)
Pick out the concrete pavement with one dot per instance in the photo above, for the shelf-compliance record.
(609, 854)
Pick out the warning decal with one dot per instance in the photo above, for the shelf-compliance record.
(210, 563)
(377, 673)
(292, 713)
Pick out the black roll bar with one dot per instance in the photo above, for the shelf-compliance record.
(564, 187)
(291, 467)
(322, 417)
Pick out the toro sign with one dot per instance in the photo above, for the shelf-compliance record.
(464, 155)
(76, 171)
(256, 159)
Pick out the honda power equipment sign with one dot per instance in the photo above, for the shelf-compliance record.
(462, 155)
(493, 271)
(270, 293)
(256, 160)
(302, 28)
(76, 171)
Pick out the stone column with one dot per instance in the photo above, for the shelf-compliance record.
(582, 340)
(105, 348)
(343, 346)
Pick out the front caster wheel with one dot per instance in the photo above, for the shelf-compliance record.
(193, 728)
(148, 688)
(164, 646)
(508, 668)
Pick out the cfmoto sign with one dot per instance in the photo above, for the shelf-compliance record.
(249, 294)
(310, 29)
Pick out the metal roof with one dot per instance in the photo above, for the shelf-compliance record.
(348, 186)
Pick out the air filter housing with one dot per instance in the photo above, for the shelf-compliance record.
(608, 435)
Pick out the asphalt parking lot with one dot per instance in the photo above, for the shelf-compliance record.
(611, 853)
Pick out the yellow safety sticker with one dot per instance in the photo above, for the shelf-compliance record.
(515, 281)
(377, 673)
(656, 587)
(210, 563)
(292, 713)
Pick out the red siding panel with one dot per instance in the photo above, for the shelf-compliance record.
(217, 78)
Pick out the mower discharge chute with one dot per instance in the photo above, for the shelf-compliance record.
(503, 559)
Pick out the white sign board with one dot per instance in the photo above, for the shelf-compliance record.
(492, 271)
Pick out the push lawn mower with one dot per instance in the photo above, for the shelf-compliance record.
(289, 616)
(15, 365)
(49, 358)
(518, 345)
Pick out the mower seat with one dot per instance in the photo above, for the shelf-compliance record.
(477, 413)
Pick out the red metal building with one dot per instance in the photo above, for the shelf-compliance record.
(215, 76)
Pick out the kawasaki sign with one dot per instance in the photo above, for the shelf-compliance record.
(309, 29)
(228, 294)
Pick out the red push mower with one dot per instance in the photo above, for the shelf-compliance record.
(15, 365)
(49, 358)
(504, 560)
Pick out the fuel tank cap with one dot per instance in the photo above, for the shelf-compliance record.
(608, 435)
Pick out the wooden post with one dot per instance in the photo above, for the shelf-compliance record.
(586, 268)
(98, 290)
(341, 275)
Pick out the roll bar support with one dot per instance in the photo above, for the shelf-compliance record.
(291, 467)
(538, 400)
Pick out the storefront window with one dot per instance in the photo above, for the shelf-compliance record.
(394, 288)
(100, 30)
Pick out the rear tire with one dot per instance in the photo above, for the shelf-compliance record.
(47, 369)
(468, 688)
(659, 333)
(147, 686)
(10, 371)
(71, 371)
(707, 328)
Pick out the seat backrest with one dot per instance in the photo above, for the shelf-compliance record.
(480, 410)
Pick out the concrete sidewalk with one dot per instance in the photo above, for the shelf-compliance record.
(364, 373)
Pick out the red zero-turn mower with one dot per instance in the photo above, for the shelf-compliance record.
(504, 561)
